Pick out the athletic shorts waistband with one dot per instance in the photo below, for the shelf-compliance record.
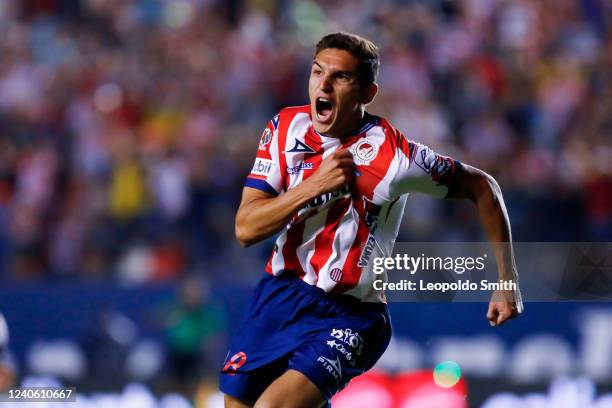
(345, 301)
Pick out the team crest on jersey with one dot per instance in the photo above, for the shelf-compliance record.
(266, 136)
(364, 151)
(300, 147)
(336, 274)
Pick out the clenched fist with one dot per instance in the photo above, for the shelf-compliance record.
(334, 172)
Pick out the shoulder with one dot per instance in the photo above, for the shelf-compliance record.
(292, 116)
(394, 137)
(291, 112)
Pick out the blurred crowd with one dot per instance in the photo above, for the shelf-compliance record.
(127, 126)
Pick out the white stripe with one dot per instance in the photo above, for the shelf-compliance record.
(298, 123)
(297, 130)
(344, 238)
(274, 178)
(312, 229)
(278, 261)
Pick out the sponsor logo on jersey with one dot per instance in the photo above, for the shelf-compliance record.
(234, 363)
(364, 151)
(332, 366)
(349, 338)
(262, 167)
(372, 211)
(436, 166)
(366, 253)
(266, 136)
(300, 147)
(300, 167)
(329, 197)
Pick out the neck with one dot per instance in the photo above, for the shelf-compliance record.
(353, 125)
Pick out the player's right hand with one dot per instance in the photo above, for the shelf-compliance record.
(334, 172)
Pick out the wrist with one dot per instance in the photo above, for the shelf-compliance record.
(308, 190)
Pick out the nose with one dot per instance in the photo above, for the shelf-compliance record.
(326, 83)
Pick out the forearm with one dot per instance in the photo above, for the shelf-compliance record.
(260, 218)
(494, 219)
(483, 190)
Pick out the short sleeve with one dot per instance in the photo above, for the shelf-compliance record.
(420, 169)
(265, 174)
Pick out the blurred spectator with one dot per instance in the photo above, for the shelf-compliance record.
(124, 122)
(194, 333)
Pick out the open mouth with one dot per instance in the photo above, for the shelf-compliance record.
(324, 109)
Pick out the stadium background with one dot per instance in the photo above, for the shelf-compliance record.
(127, 128)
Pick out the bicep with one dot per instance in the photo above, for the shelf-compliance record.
(470, 183)
(251, 196)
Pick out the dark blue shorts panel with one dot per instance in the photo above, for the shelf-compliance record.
(293, 325)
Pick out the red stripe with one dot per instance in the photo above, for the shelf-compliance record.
(314, 141)
(364, 186)
(295, 236)
(350, 271)
(324, 241)
(285, 119)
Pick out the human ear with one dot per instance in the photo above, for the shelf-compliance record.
(369, 93)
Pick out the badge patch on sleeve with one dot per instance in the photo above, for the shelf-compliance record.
(266, 136)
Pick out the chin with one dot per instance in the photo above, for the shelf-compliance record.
(323, 129)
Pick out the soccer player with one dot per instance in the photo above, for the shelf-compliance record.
(333, 180)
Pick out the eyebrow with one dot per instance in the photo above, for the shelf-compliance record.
(349, 73)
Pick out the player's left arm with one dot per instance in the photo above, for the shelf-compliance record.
(482, 189)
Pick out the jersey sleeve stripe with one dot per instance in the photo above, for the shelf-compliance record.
(457, 169)
(260, 185)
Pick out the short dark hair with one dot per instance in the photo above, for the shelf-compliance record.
(364, 50)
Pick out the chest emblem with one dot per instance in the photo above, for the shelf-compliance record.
(364, 151)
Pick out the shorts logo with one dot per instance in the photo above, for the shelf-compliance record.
(336, 274)
(262, 167)
(347, 337)
(265, 139)
(332, 366)
(300, 167)
(364, 151)
(234, 363)
(343, 350)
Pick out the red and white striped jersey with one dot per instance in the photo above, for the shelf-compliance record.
(331, 242)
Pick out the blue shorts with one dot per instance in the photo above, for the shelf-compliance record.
(293, 325)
